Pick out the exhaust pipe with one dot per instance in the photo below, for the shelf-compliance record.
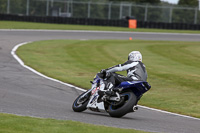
(135, 107)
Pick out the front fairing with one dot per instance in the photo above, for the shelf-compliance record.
(97, 84)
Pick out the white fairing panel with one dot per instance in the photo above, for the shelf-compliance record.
(93, 104)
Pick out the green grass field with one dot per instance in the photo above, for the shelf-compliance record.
(20, 124)
(173, 67)
(30, 25)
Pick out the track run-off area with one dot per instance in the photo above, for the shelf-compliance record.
(24, 91)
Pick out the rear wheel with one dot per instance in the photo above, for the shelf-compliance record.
(80, 103)
(124, 106)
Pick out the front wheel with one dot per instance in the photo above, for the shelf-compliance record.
(80, 103)
(128, 100)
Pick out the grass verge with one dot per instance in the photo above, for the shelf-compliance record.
(20, 124)
(173, 67)
(31, 25)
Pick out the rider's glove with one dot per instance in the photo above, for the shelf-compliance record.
(105, 74)
(103, 71)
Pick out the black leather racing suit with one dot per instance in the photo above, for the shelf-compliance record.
(135, 71)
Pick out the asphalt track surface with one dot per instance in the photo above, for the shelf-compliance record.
(23, 92)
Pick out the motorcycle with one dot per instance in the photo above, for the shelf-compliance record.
(123, 101)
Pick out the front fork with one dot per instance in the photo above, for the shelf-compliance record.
(101, 87)
(86, 93)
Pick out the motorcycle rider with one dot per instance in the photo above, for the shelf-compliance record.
(135, 71)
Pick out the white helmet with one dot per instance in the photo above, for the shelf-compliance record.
(135, 56)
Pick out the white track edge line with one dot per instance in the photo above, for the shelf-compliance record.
(42, 75)
(36, 72)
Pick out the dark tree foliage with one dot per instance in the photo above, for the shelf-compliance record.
(3, 6)
(186, 15)
(188, 2)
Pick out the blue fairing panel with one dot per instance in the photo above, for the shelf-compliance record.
(138, 87)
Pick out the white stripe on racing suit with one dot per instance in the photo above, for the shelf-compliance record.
(135, 70)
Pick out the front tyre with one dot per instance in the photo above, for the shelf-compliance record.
(80, 104)
(128, 101)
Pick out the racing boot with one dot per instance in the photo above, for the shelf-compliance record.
(109, 91)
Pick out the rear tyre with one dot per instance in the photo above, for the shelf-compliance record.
(80, 104)
(129, 100)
